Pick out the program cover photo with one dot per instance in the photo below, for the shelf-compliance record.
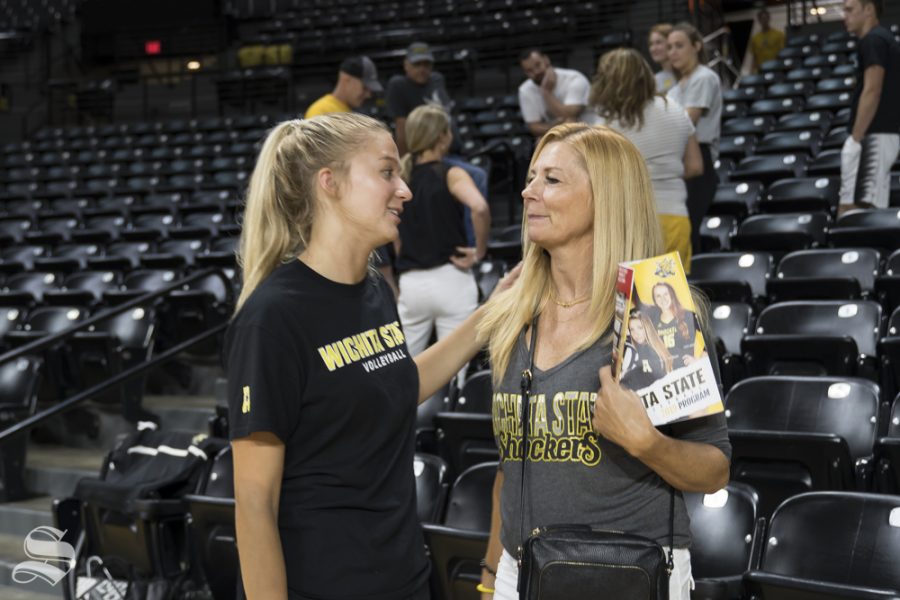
(659, 350)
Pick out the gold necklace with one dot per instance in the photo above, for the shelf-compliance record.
(569, 304)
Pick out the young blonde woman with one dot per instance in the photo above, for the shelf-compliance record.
(322, 390)
(434, 260)
(658, 46)
(623, 96)
(699, 91)
(588, 206)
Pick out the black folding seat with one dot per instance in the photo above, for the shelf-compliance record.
(28, 288)
(823, 60)
(716, 232)
(16, 259)
(68, 258)
(61, 223)
(802, 194)
(827, 163)
(155, 218)
(887, 453)
(732, 276)
(776, 106)
(211, 527)
(825, 274)
(875, 228)
(15, 226)
(798, 51)
(839, 46)
(815, 337)
(476, 394)
(830, 546)
(727, 535)
(804, 121)
(139, 282)
(174, 253)
(431, 486)
(743, 94)
(783, 232)
(729, 322)
(797, 434)
(19, 382)
(111, 221)
(761, 79)
(770, 167)
(888, 284)
(748, 126)
(889, 355)
(835, 139)
(844, 70)
(465, 439)
(808, 73)
(833, 101)
(233, 179)
(185, 182)
(110, 346)
(790, 89)
(121, 256)
(724, 167)
(69, 205)
(460, 542)
(12, 318)
(777, 64)
(806, 142)
(802, 40)
(836, 84)
(736, 146)
(731, 110)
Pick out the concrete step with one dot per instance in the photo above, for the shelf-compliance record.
(11, 554)
(55, 470)
(18, 518)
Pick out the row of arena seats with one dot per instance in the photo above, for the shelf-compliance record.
(170, 514)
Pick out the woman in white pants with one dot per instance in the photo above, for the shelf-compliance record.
(434, 260)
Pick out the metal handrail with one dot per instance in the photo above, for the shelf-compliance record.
(121, 377)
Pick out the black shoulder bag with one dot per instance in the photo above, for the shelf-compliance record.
(565, 562)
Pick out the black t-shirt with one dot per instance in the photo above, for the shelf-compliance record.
(432, 225)
(643, 366)
(324, 366)
(879, 47)
(679, 341)
(403, 95)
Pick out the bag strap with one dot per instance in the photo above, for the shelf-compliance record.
(525, 384)
(527, 377)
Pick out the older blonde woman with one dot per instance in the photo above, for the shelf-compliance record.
(588, 206)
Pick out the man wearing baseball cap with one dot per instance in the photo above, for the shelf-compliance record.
(357, 81)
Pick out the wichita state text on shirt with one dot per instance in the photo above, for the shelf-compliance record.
(373, 346)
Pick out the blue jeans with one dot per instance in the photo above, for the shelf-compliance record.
(480, 177)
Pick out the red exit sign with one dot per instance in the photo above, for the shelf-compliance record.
(152, 47)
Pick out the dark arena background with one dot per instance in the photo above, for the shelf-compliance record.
(128, 131)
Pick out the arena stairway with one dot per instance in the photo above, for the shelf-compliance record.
(52, 471)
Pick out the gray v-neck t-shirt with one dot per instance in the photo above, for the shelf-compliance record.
(574, 476)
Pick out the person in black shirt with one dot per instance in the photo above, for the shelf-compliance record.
(434, 261)
(871, 148)
(322, 390)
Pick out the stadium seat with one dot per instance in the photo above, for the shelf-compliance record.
(736, 146)
(887, 284)
(465, 439)
(729, 323)
(716, 232)
(431, 486)
(824, 274)
(770, 167)
(830, 546)
(802, 141)
(830, 101)
(835, 138)
(781, 233)
(877, 228)
(736, 198)
(815, 337)
(836, 84)
(28, 288)
(797, 434)
(85, 288)
(807, 73)
(476, 394)
(726, 540)
(732, 276)
(790, 89)
(802, 194)
(758, 126)
(887, 454)
(460, 542)
(889, 355)
(776, 106)
(826, 163)
(19, 383)
(724, 168)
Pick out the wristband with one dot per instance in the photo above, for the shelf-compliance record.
(483, 589)
(487, 567)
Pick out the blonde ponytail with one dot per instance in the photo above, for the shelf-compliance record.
(424, 127)
(280, 206)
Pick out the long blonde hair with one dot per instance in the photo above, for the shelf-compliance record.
(281, 198)
(424, 127)
(625, 228)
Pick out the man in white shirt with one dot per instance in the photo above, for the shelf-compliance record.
(550, 95)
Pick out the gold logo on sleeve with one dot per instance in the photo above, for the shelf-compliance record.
(245, 407)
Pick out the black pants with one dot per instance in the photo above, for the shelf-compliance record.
(700, 193)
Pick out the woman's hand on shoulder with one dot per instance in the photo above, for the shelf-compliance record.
(620, 417)
(508, 280)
